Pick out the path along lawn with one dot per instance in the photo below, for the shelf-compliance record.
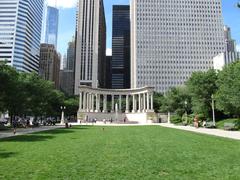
(148, 152)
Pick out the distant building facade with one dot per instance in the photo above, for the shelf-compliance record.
(108, 72)
(20, 33)
(229, 42)
(90, 44)
(121, 47)
(170, 41)
(223, 59)
(71, 55)
(67, 74)
(49, 67)
(67, 81)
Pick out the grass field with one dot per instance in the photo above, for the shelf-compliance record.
(119, 153)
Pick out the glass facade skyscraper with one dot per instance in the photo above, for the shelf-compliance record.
(20, 33)
(51, 31)
(120, 66)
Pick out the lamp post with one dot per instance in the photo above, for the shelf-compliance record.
(213, 110)
(62, 117)
(186, 110)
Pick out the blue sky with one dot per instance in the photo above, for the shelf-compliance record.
(67, 22)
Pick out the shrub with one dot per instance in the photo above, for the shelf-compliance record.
(176, 119)
(237, 122)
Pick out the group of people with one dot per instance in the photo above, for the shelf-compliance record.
(94, 120)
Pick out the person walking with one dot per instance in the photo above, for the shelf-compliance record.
(14, 124)
(196, 125)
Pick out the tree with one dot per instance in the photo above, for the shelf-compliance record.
(175, 101)
(202, 85)
(72, 105)
(158, 99)
(27, 94)
(10, 90)
(228, 94)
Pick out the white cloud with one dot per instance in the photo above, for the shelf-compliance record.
(238, 47)
(62, 3)
(109, 52)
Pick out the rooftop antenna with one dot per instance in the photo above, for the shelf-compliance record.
(55, 3)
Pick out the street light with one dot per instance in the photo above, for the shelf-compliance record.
(213, 110)
(62, 117)
(186, 110)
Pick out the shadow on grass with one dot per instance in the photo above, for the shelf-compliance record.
(27, 138)
(4, 155)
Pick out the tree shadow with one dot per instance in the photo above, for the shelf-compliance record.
(4, 155)
(27, 138)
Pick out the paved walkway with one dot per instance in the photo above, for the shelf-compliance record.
(23, 131)
(215, 132)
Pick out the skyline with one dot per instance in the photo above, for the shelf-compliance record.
(231, 17)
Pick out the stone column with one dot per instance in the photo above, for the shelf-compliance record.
(105, 104)
(97, 105)
(84, 101)
(120, 103)
(139, 103)
(147, 102)
(87, 103)
(112, 110)
(152, 102)
(92, 109)
(134, 104)
(144, 102)
(80, 101)
(127, 104)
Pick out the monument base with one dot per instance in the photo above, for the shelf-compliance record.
(138, 118)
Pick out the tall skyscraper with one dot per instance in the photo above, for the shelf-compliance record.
(121, 47)
(51, 31)
(49, 66)
(171, 39)
(20, 33)
(90, 44)
(229, 42)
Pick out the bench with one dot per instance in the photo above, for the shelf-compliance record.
(210, 125)
(229, 126)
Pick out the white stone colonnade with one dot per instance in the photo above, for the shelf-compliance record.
(91, 99)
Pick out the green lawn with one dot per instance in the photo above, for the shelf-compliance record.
(119, 153)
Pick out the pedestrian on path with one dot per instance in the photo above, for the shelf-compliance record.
(196, 125)
(14, 123)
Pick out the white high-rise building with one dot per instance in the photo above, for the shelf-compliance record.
(20, 33)
(90, 44)
(170, 39)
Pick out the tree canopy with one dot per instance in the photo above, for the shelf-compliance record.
(228, 94)
(201, 86)
(28, 94)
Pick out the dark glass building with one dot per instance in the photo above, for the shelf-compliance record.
(120, 66)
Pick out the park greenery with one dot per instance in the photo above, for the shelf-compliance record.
(198, 93)
(147, 152)
(27, 94)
